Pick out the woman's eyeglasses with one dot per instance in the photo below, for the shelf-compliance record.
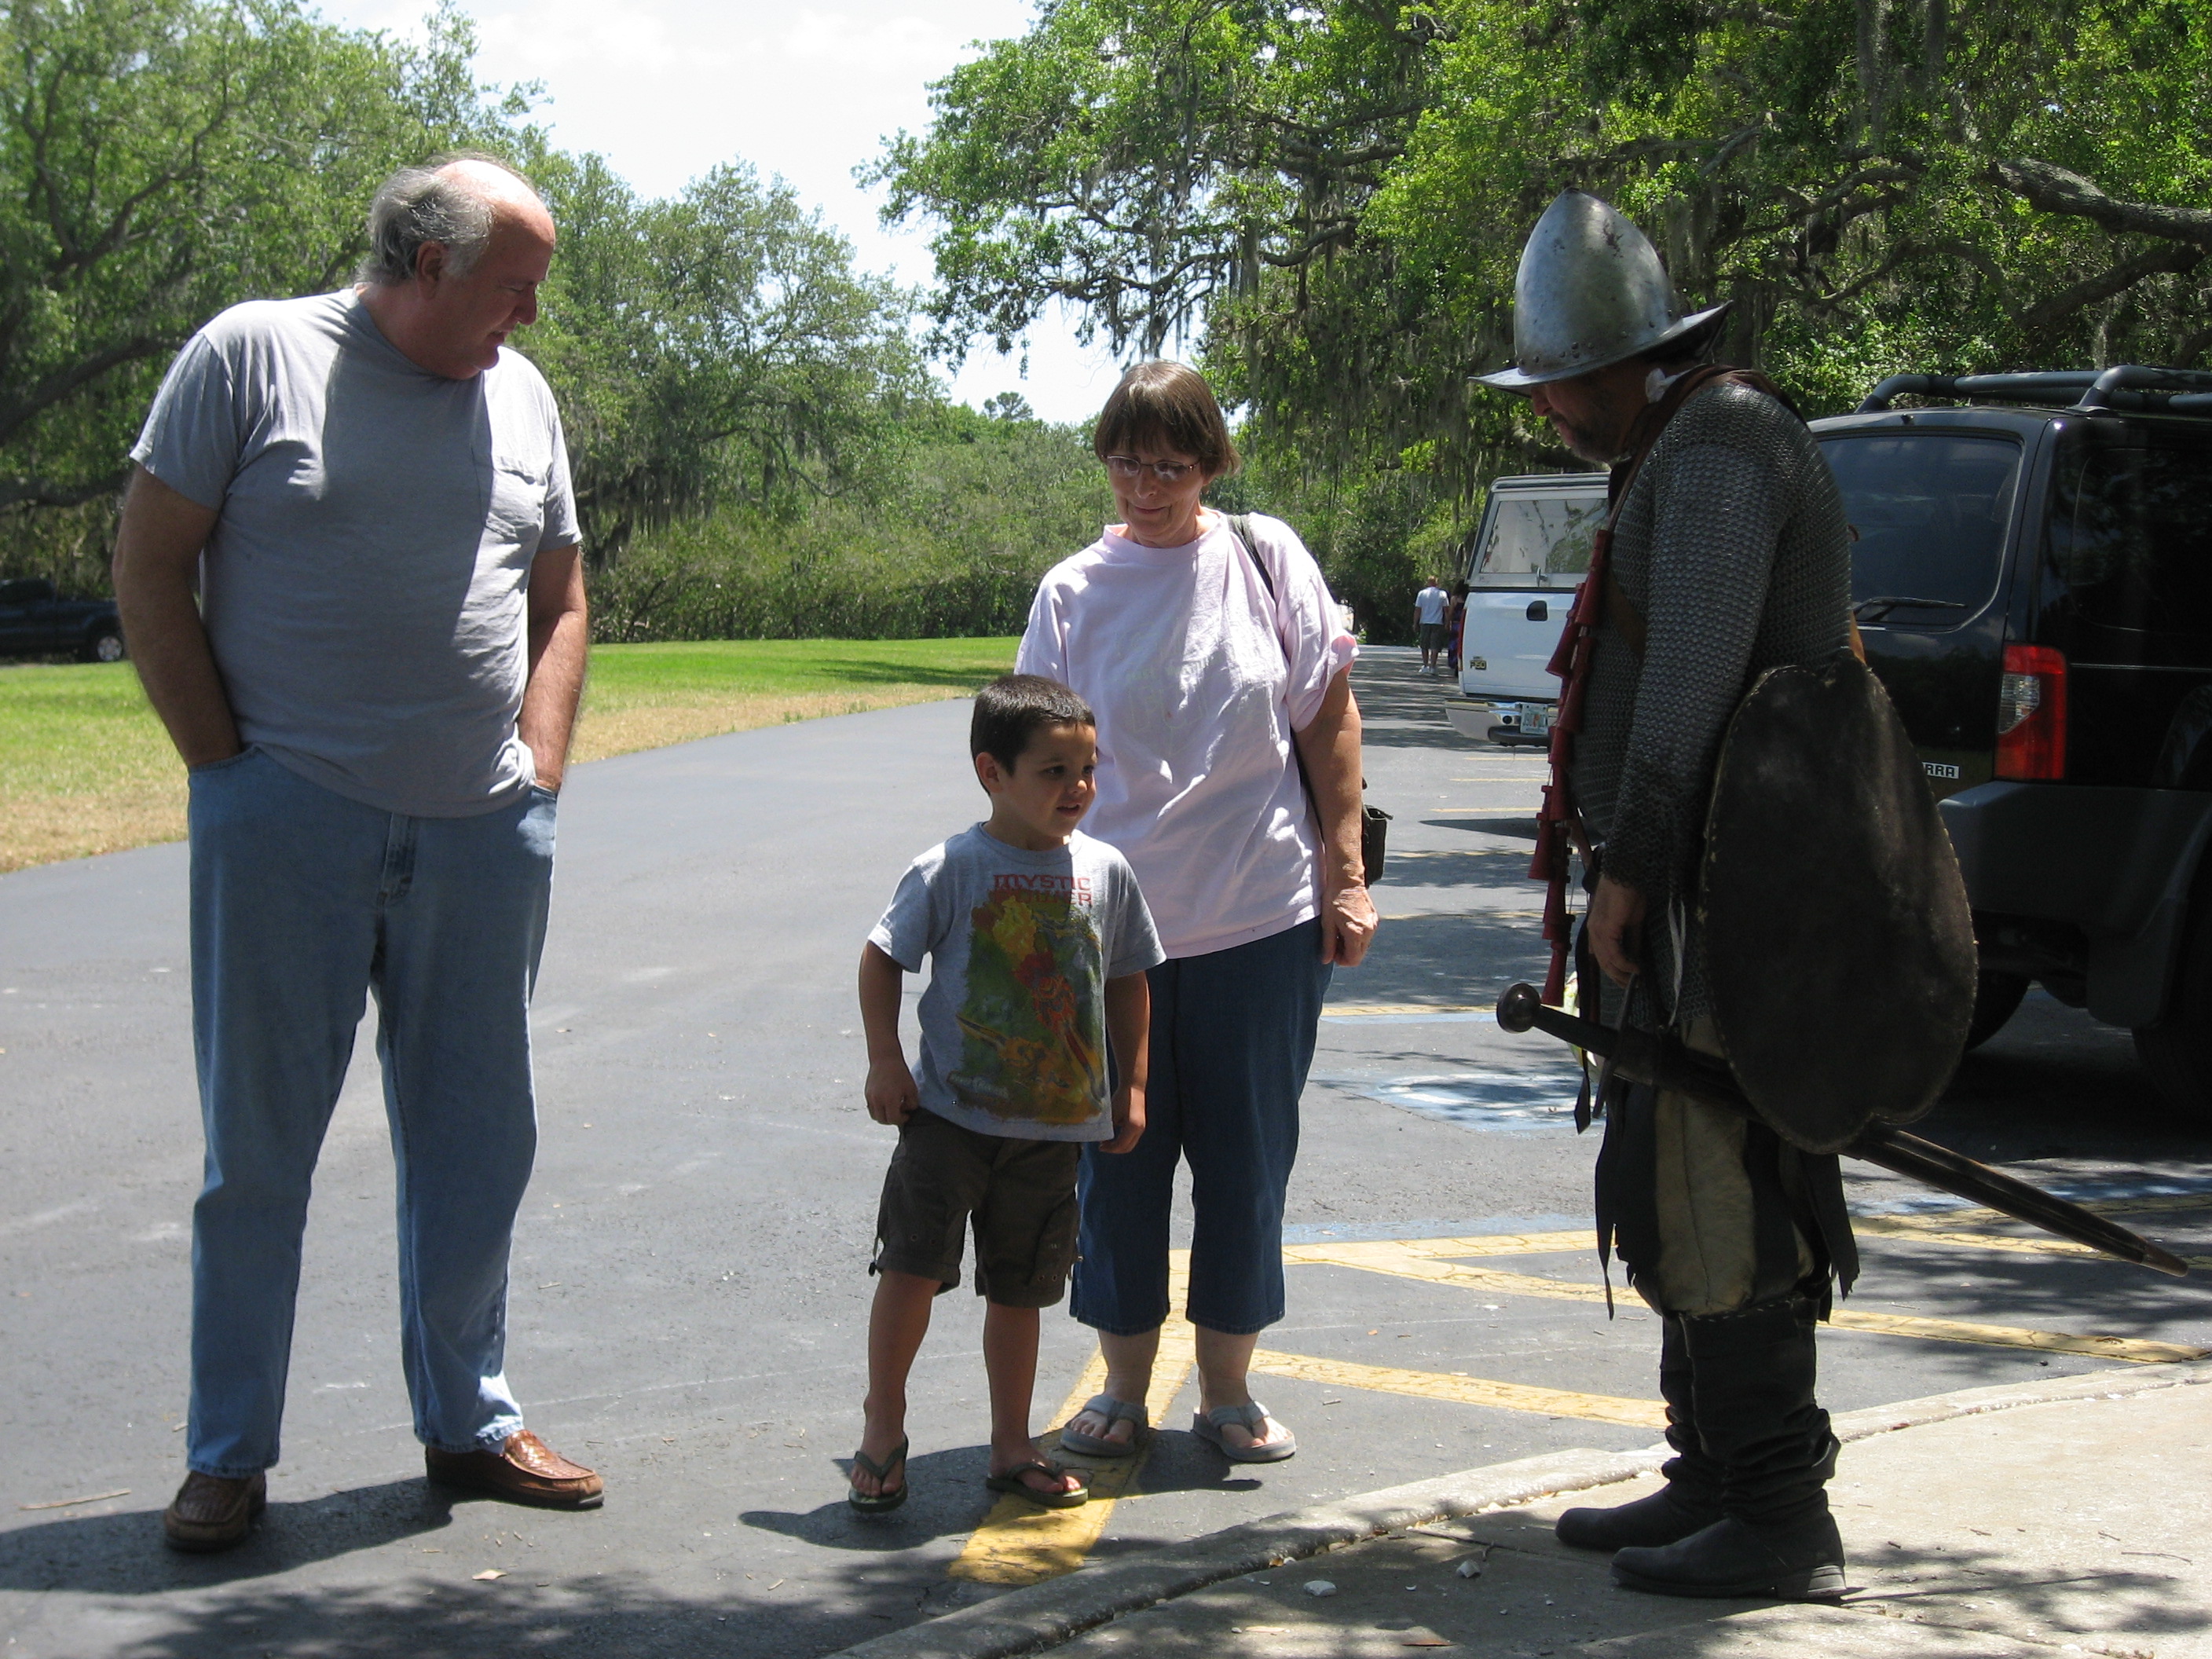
(1128, 467)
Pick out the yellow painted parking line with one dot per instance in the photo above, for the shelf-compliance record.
(1946, 1220)
(2134, 1350)
(1882, 1226)
(1407, 1259)
(1421, 1259)
(1019, 1542)
(1462, 1390)
(1916, 1228)
(1944, 1227)
(2175, 1201)
(1574, 1239)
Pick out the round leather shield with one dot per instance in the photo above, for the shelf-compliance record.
(1839, 947)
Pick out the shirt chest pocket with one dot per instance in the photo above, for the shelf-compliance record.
(518, 498)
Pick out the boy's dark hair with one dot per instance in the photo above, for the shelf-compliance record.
(1014, 707)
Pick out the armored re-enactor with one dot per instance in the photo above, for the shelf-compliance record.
(1726, 555)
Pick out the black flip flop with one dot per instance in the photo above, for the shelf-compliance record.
(1011, 1482)
(883, 1501)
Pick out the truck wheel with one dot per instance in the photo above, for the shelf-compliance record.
(2177, 1052)
(1996, 998)
(107, 645)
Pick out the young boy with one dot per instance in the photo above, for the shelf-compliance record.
(1039, 940)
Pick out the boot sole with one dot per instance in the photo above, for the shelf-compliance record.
(1821, 1583)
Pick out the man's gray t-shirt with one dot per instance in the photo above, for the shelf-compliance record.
(1020, 946)
(366, 588)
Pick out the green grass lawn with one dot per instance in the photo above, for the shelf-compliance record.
(86, 768)
(624, 675)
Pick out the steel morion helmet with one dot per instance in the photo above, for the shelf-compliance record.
(1591, 292)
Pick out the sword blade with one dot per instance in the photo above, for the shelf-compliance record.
(1660, 1061)
(1939, 1167)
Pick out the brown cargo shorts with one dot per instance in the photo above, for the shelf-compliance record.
(1020, 1193)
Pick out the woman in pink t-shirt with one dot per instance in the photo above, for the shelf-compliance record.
(1217, 663)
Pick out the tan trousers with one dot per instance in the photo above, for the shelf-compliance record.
(1708, 1238)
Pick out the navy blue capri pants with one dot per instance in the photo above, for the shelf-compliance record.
(1232, 1038)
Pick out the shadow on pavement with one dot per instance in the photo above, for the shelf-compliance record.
(123, 1554)
(1180, 1462)
(863, 671)
(1466, 866)
(1523, 828)
(610, 1613)
(947, 1499)
(1423, 960)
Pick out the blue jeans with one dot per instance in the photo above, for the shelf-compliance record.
(1232, 1039)
(303, 901)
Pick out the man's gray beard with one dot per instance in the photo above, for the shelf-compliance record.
(1587, 447)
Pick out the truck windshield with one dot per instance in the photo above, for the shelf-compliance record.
(1928, 512)
(2129, 543)
(1537, 541)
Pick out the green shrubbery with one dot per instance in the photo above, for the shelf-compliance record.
(951, 541)
(975, 511)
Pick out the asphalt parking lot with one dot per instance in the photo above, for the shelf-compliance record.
(689, 1271)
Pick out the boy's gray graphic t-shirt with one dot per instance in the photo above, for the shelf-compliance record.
(366, 587)
(1020, 946)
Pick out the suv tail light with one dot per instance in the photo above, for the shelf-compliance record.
(2031, 715)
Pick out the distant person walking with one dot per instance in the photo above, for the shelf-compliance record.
(374, 695)
(1430, 606)
(1455, 627)
(1217, 663)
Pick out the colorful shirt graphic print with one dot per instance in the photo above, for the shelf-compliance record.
(1020, 947)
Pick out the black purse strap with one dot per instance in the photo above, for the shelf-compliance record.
(1240, 531)
(1372, 819)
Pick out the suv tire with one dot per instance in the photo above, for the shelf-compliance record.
(2177, 1052)
(1996, 998)
(105, 645)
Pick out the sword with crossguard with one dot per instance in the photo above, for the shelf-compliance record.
(1645, 1057)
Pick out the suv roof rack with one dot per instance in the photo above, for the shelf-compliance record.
(2130, 386)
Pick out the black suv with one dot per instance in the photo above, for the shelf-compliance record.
(34, 623)
(2032, 573)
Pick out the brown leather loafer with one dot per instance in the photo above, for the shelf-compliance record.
(525, 1471)
(211, 1513)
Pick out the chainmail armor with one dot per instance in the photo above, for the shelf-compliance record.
(1733, 547)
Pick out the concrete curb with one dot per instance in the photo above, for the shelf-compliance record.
(1972, 1402)
(1043, 1616)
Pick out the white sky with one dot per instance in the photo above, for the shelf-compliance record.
(667, 88)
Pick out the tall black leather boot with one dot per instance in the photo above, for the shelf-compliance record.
(1753, 1376)
(1691, 1499)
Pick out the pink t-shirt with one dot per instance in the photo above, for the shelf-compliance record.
(1199, 680)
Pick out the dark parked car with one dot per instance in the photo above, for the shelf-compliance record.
(34, 623)
(2033, 576)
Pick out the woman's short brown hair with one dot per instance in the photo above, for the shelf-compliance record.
(1167, 405)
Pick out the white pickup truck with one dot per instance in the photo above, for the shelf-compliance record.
(1531, 548)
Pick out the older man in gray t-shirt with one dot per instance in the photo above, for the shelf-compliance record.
(374, 694)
